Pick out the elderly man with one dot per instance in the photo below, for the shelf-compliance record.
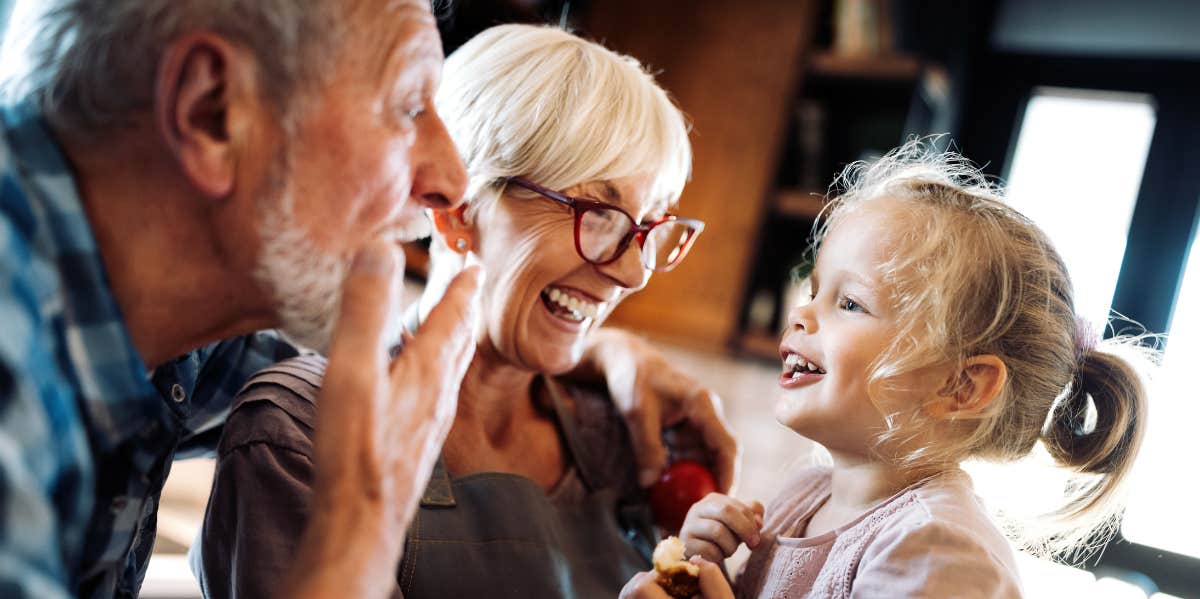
(183, 172)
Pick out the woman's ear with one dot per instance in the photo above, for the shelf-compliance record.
(452, 224)
(970, 390)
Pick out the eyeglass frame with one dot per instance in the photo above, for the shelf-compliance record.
(580, 206)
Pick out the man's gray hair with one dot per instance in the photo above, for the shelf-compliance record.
(92, 63)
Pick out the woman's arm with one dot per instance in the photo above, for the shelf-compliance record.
(653, 395)
(260, 503)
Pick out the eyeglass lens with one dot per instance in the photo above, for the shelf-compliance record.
(601, 232)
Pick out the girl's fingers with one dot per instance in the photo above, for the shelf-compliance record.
(717, 533)
(713, 584)
(704, 549)
(735, 515)
(643, 586)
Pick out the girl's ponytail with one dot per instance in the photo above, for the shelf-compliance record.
(1096, 429)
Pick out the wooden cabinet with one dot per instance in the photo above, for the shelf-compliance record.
(733, 68)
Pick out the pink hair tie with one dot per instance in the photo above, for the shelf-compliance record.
(1086, 338)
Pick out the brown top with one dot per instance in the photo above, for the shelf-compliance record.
(501, 525)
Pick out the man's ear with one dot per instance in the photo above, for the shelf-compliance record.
(196, 85)
(970, 390)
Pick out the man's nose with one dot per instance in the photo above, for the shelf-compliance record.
(439, 179)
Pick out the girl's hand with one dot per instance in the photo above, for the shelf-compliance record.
(713, 584)
(717, 524)
(643, 586)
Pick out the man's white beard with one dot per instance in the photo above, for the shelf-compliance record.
(304, 280)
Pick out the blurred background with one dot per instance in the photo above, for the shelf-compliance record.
(1089, 110)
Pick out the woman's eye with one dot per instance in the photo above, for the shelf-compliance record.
(413, 113)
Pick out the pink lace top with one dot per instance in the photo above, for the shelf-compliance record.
(933, 539)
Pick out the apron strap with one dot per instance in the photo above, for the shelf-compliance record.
(439, 492)
(581, 453)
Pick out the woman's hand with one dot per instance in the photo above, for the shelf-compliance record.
(713, 584)
(717, 524)
(653, 396)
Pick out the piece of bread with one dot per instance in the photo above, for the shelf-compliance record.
(677, 576)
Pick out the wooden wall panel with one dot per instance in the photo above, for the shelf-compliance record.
(733, 68)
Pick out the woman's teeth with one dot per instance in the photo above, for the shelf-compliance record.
(795, 365)
(572, 307)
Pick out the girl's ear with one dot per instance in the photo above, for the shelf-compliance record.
(452, 224)
(972, 389)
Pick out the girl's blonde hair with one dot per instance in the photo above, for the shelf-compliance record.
(541, 103)
(973, 276)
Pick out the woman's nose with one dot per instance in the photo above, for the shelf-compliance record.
(627, 270)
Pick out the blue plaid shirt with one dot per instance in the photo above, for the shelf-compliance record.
(87, 435)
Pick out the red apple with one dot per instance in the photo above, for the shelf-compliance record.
(684, 483)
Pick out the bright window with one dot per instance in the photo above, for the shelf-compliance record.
(1162, 508)
(1076, 172)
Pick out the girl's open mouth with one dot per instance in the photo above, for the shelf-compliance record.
(799, 371)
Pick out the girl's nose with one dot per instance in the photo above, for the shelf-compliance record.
(802, 318)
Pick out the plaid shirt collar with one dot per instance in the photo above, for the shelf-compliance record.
(107, 366)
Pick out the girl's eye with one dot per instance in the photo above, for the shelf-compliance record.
(413, 113)
(850, 305)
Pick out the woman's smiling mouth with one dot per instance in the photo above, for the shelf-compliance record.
(571, 305)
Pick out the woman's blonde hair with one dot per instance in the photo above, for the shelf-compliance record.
(541, 103)
(973, 276)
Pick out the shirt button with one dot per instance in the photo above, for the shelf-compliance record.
(177, 393)
(118, 503)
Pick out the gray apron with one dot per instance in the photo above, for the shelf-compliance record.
(495, 535)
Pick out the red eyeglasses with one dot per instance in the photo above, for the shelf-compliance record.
(603, 231)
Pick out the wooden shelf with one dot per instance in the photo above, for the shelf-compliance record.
(884, 66)
(760, 345)
(802, 204)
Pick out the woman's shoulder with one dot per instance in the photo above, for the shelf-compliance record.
(276, 406)
(601, 439)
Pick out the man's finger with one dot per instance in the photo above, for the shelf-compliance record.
(367, 303)
(446, 340)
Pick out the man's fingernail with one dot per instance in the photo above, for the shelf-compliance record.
(648, 477)
(373, 259)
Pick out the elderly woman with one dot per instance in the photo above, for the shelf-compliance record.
(575, 157)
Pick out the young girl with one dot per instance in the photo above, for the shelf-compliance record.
(940, 328)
